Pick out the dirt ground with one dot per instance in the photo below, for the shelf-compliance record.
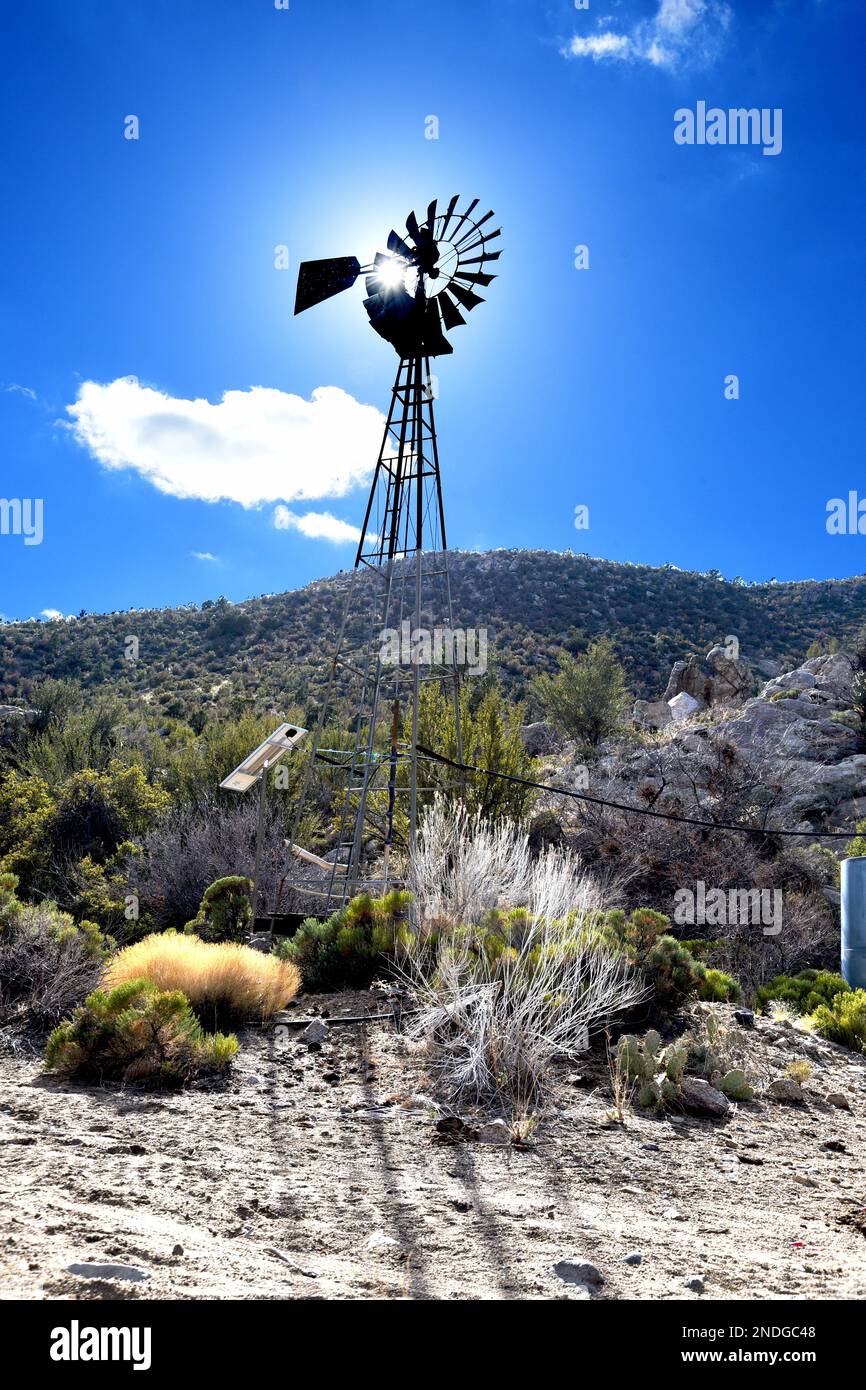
(317, 1174)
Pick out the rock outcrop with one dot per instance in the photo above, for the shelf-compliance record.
(800, 730)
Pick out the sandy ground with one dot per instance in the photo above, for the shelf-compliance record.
(318, 1175)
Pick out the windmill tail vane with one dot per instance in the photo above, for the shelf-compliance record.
(417, 291)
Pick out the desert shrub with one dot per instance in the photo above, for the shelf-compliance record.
(136, 1032)
(718, 987)
(804, 992)
(587, 697)
(197, 844)
(507, 963)
(800, 1070)
(225, 912)
(843, 1020)
(349, 947)
(224, 982)
(669, 967)
(48, 962)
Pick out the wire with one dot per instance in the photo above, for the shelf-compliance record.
(635, 810)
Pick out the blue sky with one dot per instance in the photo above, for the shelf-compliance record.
(154, 259)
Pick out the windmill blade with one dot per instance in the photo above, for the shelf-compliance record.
(463, 217)
(482, 241)
(468, 298)
(480, 223)
(431, 216)
(399, 246)
(479, 278)
(478, 260)
(449, 214)
(450, 313)
(319, 280)
(412, 226)
(435, 342)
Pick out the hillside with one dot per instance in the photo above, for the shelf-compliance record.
(273, 649)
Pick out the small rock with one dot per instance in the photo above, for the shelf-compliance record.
(494, 1132)
(452, 1130)
(578, 1271)
(177, 1250)
(671, 1214)
(651, 1148)
(803, 1180)
(839, 1099)
(836, 1146)
(88, 1271)
(696, 1282)
(315, 1033)
(633, 1259)
(745, 1017)
(700, 1098)
(784, 1089)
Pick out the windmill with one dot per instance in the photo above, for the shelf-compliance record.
(417, 291)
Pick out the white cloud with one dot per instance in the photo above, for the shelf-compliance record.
(53, 615)
(203, 555)
(682, 33)
(319, 526)
(599, 46)
(252, 447)
(24, 390)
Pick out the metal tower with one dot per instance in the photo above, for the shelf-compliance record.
(397, 625)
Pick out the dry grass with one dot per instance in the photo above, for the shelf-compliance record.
(223, 982)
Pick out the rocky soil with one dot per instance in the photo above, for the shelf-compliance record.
(321, 1174)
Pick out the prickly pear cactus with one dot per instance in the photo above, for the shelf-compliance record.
(735, 1085)
(675, 1063)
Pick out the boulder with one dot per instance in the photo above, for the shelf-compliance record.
(687, 677)
(494, 1132)
(683, 706)
(700, 1098)
(784, 1089)
(732, 677)
(651, 714)
(576, 1270)
(839, 1099)
(315, 1033)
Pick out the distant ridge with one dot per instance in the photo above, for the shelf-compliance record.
(273, 649)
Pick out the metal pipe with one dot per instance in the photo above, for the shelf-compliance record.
(854, 921)
(260, 833)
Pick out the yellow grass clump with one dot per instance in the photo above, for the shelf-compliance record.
(223, 982)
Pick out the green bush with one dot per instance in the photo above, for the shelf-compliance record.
(226, 911)
(719, 987)
(670, 967)
(843, 1020)
(804, 992)
(136, 1032)
(673, 972)
(349, 948)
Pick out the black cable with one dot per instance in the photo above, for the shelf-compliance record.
(635, 810)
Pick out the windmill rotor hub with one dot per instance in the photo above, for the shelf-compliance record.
(450, 249)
